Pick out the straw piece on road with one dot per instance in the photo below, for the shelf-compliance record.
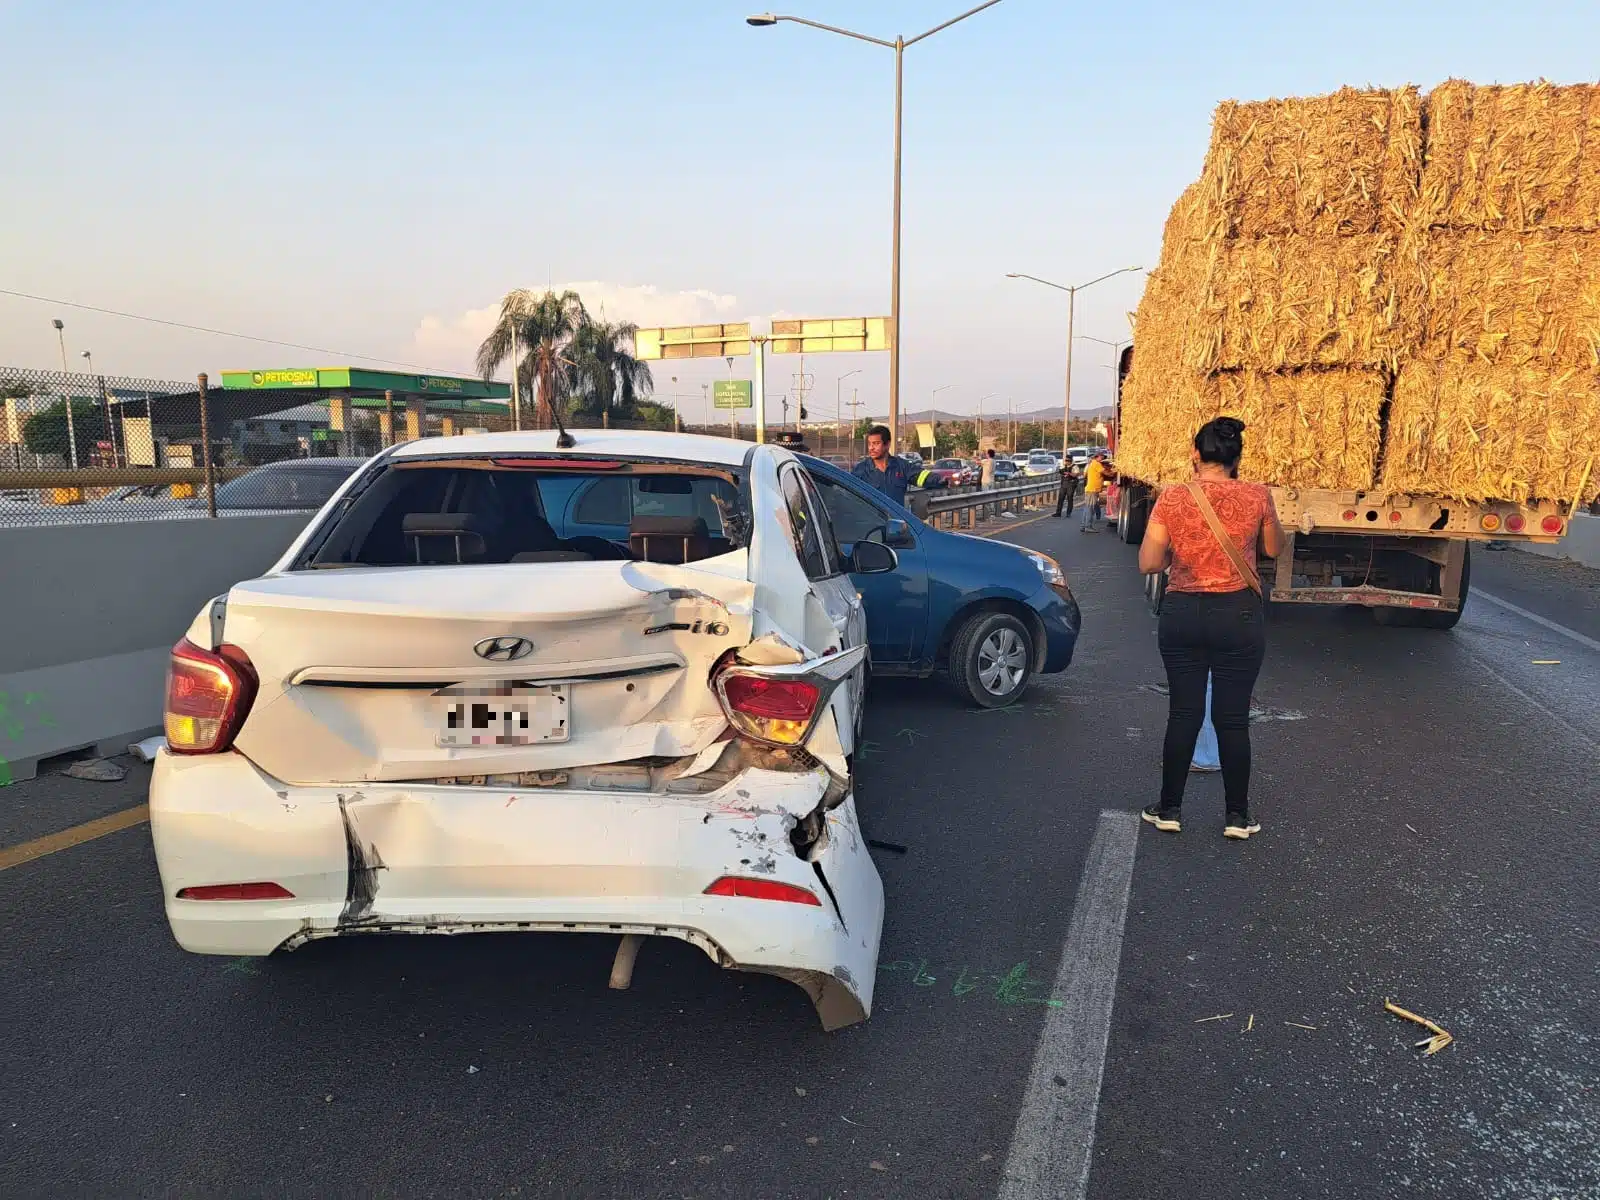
(1516, 157)
(1429, 1046)
(1475, 432)
(1218, 1017)
(1341, 164)
(1295, 301)
(1507, 298)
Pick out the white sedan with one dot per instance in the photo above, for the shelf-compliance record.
(505, 684)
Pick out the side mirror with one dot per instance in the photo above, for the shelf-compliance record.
(872, 558)
(898, 533)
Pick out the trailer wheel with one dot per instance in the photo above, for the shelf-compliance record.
(1449, 620)
(1155, 591)
(1413, 618)
(1133, 514)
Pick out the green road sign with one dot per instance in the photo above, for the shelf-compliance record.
(731, 393)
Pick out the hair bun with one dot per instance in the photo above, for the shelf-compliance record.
(1229, 426)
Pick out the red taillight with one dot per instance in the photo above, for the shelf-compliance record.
(761, 889)
(1349, 514)
(208, 697)
(236, 891)
(1515, 523)
(1394, 516)
(1551, 524)
(775, 699)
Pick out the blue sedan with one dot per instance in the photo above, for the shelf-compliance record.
(990, 614)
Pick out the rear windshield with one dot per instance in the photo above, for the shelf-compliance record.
(427, 514)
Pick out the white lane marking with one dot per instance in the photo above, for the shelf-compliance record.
(1583, 737)
(1581, 639)
(1051, 1144)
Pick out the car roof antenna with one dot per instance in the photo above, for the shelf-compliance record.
(564, 440)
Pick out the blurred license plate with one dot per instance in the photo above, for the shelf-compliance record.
(501, 715)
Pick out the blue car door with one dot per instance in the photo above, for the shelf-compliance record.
(896, 601)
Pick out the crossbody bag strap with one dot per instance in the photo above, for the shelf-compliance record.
(1245, 570)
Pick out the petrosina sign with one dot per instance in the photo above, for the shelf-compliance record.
(280, 379)
(435, 383)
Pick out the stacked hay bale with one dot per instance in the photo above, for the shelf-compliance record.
(1499, 395)
(1278, 296)
(1343, 250)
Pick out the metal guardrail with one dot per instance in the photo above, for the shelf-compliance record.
(965, 511)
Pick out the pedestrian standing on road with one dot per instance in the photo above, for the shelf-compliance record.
(1205, 535)
(1069, 486)
(889, 473)
(986, 476)
(1094, 492)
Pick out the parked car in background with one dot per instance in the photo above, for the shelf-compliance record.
(1005, 470)
(950, 471)
(990, 615)
(1020, 459)
(1079, 455)
(1041, 462)
(499, 684)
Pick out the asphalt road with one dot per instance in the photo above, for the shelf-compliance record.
(1429, 802)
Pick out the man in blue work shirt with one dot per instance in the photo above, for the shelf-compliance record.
(889, 473)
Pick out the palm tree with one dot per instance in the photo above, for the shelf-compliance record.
(545, 326)
(604, 375)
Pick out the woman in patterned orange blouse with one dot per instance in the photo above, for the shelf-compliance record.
(1211, 620)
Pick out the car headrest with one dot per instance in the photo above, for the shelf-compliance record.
(443, 524)
(466, 533)
(671, 527)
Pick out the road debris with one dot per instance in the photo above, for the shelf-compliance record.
(1218, 1017)
(1431, 1045)
(98, 770)
(1547, 662)
(1297, 1025)
(800, 1091)
(1413, 831)
(878, 1166)
(147, 750)
(472, 1070)
(891, 847)
(1251, 1023)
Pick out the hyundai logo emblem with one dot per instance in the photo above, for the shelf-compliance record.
(503, 649)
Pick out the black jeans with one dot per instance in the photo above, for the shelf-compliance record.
(1221, 634)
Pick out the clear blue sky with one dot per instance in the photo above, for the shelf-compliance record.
(339, 173)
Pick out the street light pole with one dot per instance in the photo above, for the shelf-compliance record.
(1116, 363)
(72, 436)
(933, 417)
(838, 408)
(766, 20)
(1072, 291)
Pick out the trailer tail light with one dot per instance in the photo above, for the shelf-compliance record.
(762, 889)
(1490, 522)
(1349, 514)
(1396, 517)
(1551, 524)
(236, 891)
(780, 704)
(1516, 523)
(209, 694)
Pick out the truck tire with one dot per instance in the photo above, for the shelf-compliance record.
(1413, 618)
(992, 659)
(1449, 620)
(1155, 591)
(1133, 514)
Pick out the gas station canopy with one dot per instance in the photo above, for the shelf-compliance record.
(366, 388)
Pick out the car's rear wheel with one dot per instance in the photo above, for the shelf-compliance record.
(992, 659)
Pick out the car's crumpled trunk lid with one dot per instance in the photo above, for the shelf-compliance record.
(351, 662)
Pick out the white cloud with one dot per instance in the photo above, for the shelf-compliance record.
(454, 340)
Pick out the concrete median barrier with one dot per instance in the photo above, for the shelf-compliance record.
(1582, 543)
(88, 614)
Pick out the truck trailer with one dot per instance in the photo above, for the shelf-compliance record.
(1399, 294)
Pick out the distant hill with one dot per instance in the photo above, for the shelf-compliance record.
(1036, 414)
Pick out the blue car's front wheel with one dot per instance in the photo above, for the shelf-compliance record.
(992, 658)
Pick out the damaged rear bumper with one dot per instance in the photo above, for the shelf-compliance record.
(433, 858)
